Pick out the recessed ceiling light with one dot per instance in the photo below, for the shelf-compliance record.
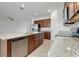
(22, 6)
(49, 11)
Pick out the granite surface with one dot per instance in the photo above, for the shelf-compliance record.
(16, 35)
(67, 34)
(64, 46)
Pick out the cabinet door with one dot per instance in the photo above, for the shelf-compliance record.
(30, 43)
(36, 22)
(77, 5)
(47, 35)
(47, 22)
(40, 38)
(36, 41)
(71, 9)
(41, 23)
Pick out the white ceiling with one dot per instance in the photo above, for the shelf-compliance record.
(11, 9)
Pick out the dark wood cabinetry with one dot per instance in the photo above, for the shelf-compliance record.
(31, 40)
(22, 46)
(73, 12)
(43, 23)
(71, 9)
(40, 38)
(47, 35)
(9, 45)
(34, 41)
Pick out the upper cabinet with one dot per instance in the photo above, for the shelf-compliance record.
(71, 12)
(43, 22)
(76, 6)
(71, 9)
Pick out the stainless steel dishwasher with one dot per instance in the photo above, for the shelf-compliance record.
(20, 47)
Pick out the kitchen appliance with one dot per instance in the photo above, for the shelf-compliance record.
(35, 28)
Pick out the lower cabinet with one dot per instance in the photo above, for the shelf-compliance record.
(34, 41)
(40, 39)
(23, 46)
(47, 35)
(30, 43)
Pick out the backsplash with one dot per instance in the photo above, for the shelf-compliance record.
(46, 29)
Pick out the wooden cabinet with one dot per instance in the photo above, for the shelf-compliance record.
(9, 45)
(43, 23)
(73, 10)
(76, 5)
(21, 46)
(34, 41)
(36, 22)
(40, 39)
(30, 43)
(47, 23)
(47, 35)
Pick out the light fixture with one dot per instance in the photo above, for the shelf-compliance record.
(22, 6)
(49, 11)
(10, 19)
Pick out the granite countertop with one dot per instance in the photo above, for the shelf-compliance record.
(16, 35)
(64, 46)
(67, 34)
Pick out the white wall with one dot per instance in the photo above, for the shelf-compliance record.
(56, 22)
(14, 26)
(21, 21)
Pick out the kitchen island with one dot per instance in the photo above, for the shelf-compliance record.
(64, 46)
(19, 44)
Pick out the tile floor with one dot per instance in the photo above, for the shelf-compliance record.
(42, 51)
